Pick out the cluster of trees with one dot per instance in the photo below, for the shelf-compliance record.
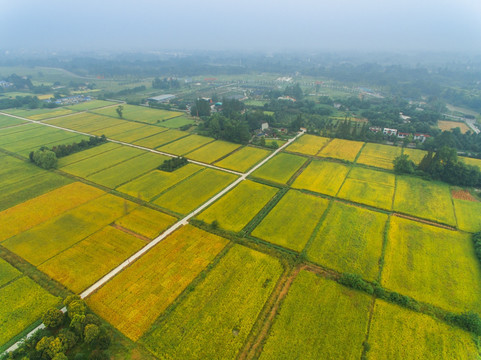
(200, 108)
(44, 158)
(233, 129)
(165, 83)
(29, 102)
(78, 333)
(170, 165)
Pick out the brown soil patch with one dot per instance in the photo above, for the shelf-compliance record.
(463, 195)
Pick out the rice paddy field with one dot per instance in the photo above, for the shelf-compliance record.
(324, 177)
(349, 240)
(415, 155)
(278, 226)
(39, 114)
(7, 272)
(472, 161)
(146, 222)
(220, 312)
(433, 265)
(213, 151)
(239, 206)
(393, 329)
(319, 319)
(89, 105)
(308, 144)
(342, 149)
(468, 214)
(139, 294)
(139, 113)
(425, 199)
(185, 145)
(177, 122)
(280, 168)
(243, 159)
(6, 121)
(379, 155)
(86, 122)
(449, 125)
(157, 140)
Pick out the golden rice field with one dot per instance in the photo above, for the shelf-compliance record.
(146, 222)
(139, 113)
(400, 334)
(280, 168)
(239, 206)
(282, 227)
(84, 263)
(308, 144)
(425, 199)
(243, 159)
(26, 215)
(153, 183)
(449, 125)
(46, 240)
(138, 295)
(123, 127)
(212, 151)
(214, 320)
(7, 272)
(319, 319)
(157, 140)
(342, 149)
(186, 144)
(379, 155)
(350, 240)
(322, 176)
(467, 214)
(432, 265)
(471, 161)
(194, 191)
(86, 122)
(85, 154)
(23, 302)
(415, 155)
(138, 133)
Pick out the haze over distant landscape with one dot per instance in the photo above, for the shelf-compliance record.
(370, 25)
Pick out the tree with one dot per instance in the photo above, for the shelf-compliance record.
(52, 318)
(119, 110)
(201, 108)
(402, 165)
(91, 333)
(60, 356)
(76, 307)
(46, 159)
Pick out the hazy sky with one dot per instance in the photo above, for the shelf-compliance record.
(438, 25)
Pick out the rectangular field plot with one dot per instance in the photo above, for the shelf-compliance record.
(86, 122)
(379, 155)
(467, 160)
(282, 227)
(6, 121)
(44, 241)
(127, 170)
(177, 122)
(215, 319)
(238, 207)
(342, 149)
(243, 159)
(280, 168)
(193, 192)
(322, 176)
(138, 133)
(112, 131)
(212, 151)
(146, 222)
(433, 265)
(370, 187)
(468, 214)
(185, 145)
(87, 261)
(400, 334)
(449, 125)
(39, 114)
(350, 240)
(425, 199)
(415, 155)
(85, 154)
(308, 144)
(39, 209)
(140, 113)
(7, 272)
(319, 319)
(23, 302)
(89, 105)
(153, 183)
(133, 299)
(164, 137)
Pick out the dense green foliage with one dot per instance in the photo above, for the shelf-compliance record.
(44, 158)
(402, 165)
(175, 163)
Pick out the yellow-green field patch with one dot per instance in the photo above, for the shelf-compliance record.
(89, 105)
(85, 154)
(157, 140)
(86, 122)
(146, 222)
(342, 149)
(308, 144)
(212, 151)
(7, 272)
(468, 214)
(472, 161)
(280, 168)
(292, 221)
(243, 159)
(415, 155)
(6, 121)
(140, 113)
(379, 155)
(185, 145)
(138, 133)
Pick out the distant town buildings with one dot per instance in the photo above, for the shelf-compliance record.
(162, 98)
(399, 134)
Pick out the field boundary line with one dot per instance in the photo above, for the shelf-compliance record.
(317, 228)
(299, 171)
(425, 221)
(12, 126)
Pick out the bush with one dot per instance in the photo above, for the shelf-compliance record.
(170, 165)
(469, 321)
(52, 318)
(404, 301)
(356, 282)
(44, 158)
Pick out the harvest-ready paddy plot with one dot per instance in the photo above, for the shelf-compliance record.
(292, 221)
(150, 185)
(349, 240)
(449, 125)
(194, 191)
(243, 159)
(308, 144)
(138, 133)
(319, 319)
(341, 149)
(86, 122)
(87, 261)
(432, 265)
(146, 222)
(468, 214)
(425, 199)
(164, 137)
(379, 155)
(138, 295)
(239, 206)
(185, 145)
(212, 151)
(370, 187)
(23, 302)
(280, 168)
(322, 176)
(400, 334)
(6, 121)
(415, 155)
(89, 105)
(139, 113)
(215, 319)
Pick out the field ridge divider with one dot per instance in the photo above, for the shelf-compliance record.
(317, 227)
